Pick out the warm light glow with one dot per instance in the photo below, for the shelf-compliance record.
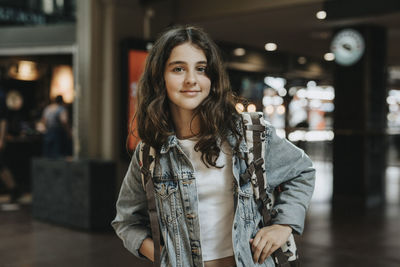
(329, 57)
(269, 109)
(321, 14)
(280, 110)
(239, 107)
(14, 100)
(302, 60)
(251, 108)
(239, 52)
(24, 70)
(270, 46)
(62, 83)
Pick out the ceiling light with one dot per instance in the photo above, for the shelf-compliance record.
(302, 60)
(24, 70)
(321, 14)
(270, 46)
(329, 57)
(239, 52)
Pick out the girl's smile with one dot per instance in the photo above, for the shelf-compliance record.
(186, 80)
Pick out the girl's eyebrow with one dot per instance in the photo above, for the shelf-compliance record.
(178, 62)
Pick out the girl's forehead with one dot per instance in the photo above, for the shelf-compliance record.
(187, 50)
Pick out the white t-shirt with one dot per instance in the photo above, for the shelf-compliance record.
(215, 194)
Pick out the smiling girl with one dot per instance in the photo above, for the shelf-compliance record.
(206, 217)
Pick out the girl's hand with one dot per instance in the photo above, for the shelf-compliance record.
(267, 240)
(147, 249)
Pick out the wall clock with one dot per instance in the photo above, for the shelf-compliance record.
(348, 47)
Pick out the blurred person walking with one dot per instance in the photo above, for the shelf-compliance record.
(58, 133)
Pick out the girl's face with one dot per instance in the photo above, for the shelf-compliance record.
(185, 78)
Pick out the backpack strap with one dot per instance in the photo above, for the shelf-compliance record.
(254, 130)
(147, 158)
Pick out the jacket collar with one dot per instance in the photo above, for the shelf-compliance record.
(172, 141)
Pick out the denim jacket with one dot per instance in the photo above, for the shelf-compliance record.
(177, 201)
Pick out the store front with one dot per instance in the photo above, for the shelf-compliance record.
(37, 52)
(29, 84)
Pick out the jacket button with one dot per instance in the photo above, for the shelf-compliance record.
(190, 216)
(235, 226)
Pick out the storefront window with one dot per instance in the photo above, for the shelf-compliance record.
(273, 102)
(311, 113)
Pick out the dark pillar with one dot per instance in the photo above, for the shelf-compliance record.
(359, 147)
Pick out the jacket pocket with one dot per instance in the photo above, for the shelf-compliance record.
(168, 196)
(246, 205)
(246, 201)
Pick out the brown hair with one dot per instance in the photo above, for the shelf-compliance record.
(217, 113)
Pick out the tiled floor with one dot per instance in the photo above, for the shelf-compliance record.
(341, 237)
(351, 237)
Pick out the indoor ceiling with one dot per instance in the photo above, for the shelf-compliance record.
(292, 25)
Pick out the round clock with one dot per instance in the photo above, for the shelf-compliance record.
(348, 47)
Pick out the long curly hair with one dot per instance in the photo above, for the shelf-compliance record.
(217, 113)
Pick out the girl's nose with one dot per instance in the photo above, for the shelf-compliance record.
(190, 78)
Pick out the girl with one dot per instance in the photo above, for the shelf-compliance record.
(206, 217)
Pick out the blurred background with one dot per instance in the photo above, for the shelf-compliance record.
(325, 73)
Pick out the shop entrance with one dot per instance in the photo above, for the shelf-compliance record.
(28, 85)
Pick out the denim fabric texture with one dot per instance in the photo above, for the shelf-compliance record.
(177, 201)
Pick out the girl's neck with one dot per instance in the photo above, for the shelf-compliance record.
(185, 125)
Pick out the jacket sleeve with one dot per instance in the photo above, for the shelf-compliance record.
(132, 220)
(288, 166)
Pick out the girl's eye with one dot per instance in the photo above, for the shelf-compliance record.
(177, 69)
(201, 69)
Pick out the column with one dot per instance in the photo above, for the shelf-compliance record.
(359, 147)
